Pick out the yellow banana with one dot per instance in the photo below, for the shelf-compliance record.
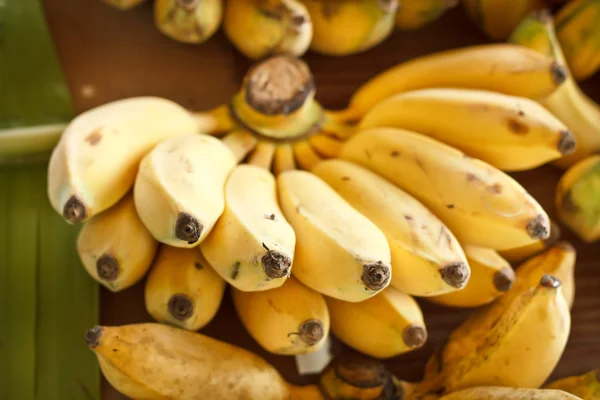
(491, 277)
(284, 159)
(188, 21)
(505, 68)
(156, 361)
(498, 18)
(506, 393)
(383, 326)
(427, 259)
(96, 160)
(260, 28)
(115, 247)
(414, 14)
(325, 145)
(481, 205)
(339, 252)
(291, 319)
(511, 133)
(586, 386)
(521, 254)
(306, 156)
(351, 26)
(262, 155)
(578, 199)
(182, 289)
(252, 244)
(123, 4)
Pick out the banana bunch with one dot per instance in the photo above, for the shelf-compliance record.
(414, 14)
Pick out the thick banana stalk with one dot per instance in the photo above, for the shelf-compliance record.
(339, 252)
(123, 4)
(481, 205)
(523, 253)
(115, 247)
(498, 18)
(383, 326)
(578, 199)
(586, 386)
(414, 14)
(506, 393)
(188, 21)
(511, 133)
(182, 289)
(96, 160)
(291, 319)
(491, 277)
(351, 26)
(260, 28)
(427, 259)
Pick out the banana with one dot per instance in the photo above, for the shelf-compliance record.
(414, 14)
(96, 159)
(262, 155)
(349, 27)
(506, 393)
(260, 28)
(427, 259)
(182, 289)
(156, 361)
(339, 252)
(511, 133)
(491, 277)
(325, 145)
(115, 247)
(578, 199)
(586, 386)
(383, 326)
(284, 159)
(306, 156)
(290, 319)
(188, 21)
(481, 205)
(123, 4)
(505, 68)
(252, 244)
(498, 18)
(521, 254)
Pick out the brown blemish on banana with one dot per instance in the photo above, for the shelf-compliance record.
(329, 9)
(567, 143)
(74, 210)
(92, 336)
(376, 275)
(198, 265)
(395, 154)
(311, 331)
(94, 138)
(517, 127)
(550, 281)
(504, 279)
(235, 270)
(189, 5)
(276, 264)
(346, 178)
(558, 72)
(270, 217)
(107, 268)
(414, 336)
(450, 206)
(455, 274)
(187, 228)
(496, 188)
(538, 227)
(181, 307)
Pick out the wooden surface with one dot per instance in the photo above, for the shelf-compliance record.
(108, 55)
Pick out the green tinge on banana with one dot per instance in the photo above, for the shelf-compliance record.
(586, 386)
(188, 21)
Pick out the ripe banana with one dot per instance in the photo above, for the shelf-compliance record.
(252, 245)
(182, 289)
(505, 68)
(506, 393)
(339, 252)
(491, 277)
(188, 21)
(123, 4)
(523, 253)
(481, 205)
(260, 28)
(414, 14)
(586, 386)
(498, 18)
(115, 247)
(383, 326)
(427, 259)
(96, 160)
(291, 319)
(578, 199)
(511, 133)
(351, 26)
(284, 159)
(156, 361)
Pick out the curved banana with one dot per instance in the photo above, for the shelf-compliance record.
(182, 289)
(511, 133)
(123, 4)
(252, 245)
(96, 160)
(188, 21)
(351, 26)
(491, 277)
(578, 199)
(506, 393)
(339, 252)
(115, 247)
(427, 259)
(523, 253)
(383, 326)
(414, 14)
(290, 319)
(586, 386)
(481, 205)
(156, 361)
(498, 18)
(260, 28)
(284, 159)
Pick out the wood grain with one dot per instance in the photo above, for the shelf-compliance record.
(114, 54)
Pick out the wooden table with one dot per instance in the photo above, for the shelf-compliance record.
(108, 55)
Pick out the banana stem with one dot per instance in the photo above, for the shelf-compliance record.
(240, 142)
(25, 144)
(216, 121)
(284, 159)
(263, 154)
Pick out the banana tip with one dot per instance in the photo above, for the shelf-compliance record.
(549, 281)
(567, 143)
(559, 73)
(389, 6)
(107, 268)
(376, 275)
(360, 371)
(415, 336)
(188, 228)
(539, 228)
(311, 331)
(456, 274)
(504, 279)
(276, 264)
(74, 210)
(92, 336)
(181, 307)
(542, 15)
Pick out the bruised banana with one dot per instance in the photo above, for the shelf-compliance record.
(491, 277)
(507, 393)
(182, 289)
(351, 26)
(188, 21)
(498, 18)
(383, 326)
(261, 28)
(511, 133)
(427, 259)
(414, 14)
(123, 4)
(523, 253)
(115, 247)
(291, 319)
(97, 157)
(481, 205)
(578, 199)
(339, 252)
(586, 386)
